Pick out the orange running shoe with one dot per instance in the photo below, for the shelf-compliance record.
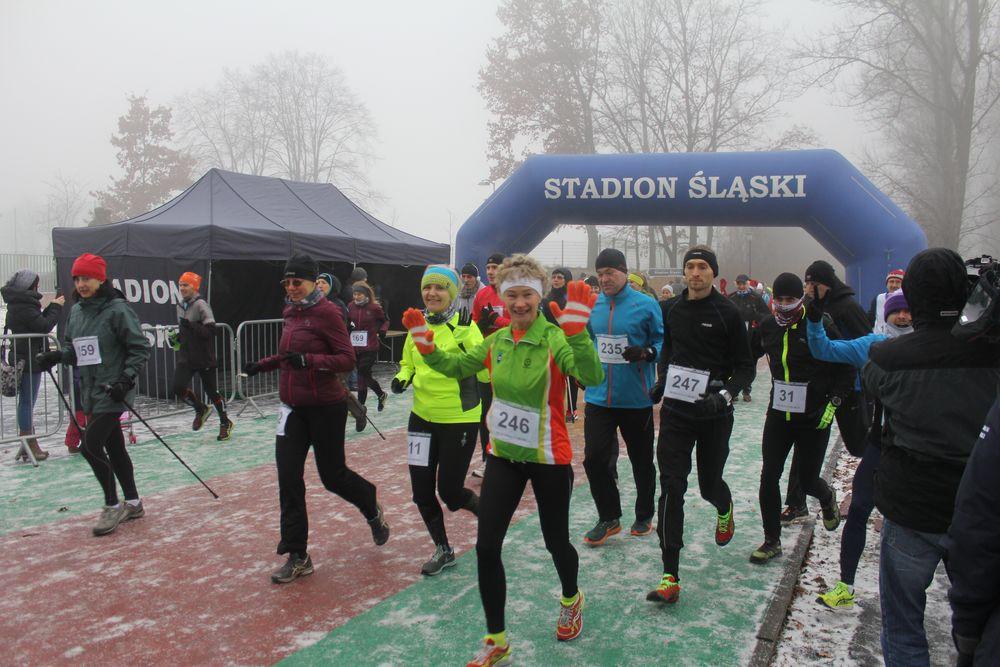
(570, 621)
(725, 526)
(668, 591)
(491, 654)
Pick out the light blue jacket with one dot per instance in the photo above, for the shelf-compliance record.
(853, 351)
(637, 316)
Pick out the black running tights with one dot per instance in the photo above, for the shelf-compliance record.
(104, 449)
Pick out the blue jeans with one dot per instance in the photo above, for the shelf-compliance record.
(27, 394)
(906, 570)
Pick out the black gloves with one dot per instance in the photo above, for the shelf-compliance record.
(464, 317)
(399, 386)
(639, 353)
(251, 368)
(184, 323)
(656, 393)
(711, 404)
(296, 360)
(46, 360)
(814, 308)
(119, 389)
(487, 318)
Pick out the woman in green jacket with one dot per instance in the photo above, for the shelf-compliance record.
(445, 417)
(105, 342)
(528, 362)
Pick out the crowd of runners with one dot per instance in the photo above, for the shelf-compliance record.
(910, 384)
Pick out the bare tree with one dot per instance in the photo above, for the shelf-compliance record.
(926, 74)
(292, 116)
(65, 202)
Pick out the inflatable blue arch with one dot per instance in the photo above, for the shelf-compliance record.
(818, 190)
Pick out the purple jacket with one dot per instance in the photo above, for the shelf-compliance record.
(319, 333)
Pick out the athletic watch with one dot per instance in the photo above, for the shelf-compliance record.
(836, 401)
(726, 395)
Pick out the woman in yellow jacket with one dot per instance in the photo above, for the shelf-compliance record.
(445, 415)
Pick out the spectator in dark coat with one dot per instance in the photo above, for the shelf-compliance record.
(936, 391)
(25, 316)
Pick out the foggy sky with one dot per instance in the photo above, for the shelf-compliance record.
(66, 67)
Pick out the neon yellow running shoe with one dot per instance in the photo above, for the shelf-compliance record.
(838, 597)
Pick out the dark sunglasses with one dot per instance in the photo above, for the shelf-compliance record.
(292, 282)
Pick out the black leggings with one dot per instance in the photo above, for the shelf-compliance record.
(503, 486)
(810, 449)
(486, 396)
(182, 380)
(322, 427)
(678, 436)
(451, 449)
(366, 360)
(104, 449)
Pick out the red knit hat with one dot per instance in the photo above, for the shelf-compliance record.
(895, 273)
(90, 266)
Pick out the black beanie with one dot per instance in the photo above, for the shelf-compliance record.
(358, 274)
(611, 258)
(704, 254)
(470, 269)
(496, 258)
(821, 272)
(301, 266)
(787, 284)
(564, 272)
(592, 281)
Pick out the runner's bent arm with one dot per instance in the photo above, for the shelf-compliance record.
(129, 333)
(853, 352)
(458, 364)
(578, 358)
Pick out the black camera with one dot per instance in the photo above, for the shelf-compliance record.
(980, 317)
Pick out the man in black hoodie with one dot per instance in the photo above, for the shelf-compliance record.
(854, 417)
(936, 391)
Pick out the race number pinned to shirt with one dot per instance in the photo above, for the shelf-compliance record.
(359, 338)
(283, 412)
(419, 449)
(685, 384)
(789, 396)
(514, 424)
(610, 348)
(88, 351)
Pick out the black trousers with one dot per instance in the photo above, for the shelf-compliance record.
(451, 449)
(486, 396)
(779, 438)
(182, 380)
(600, 453)
(322, 427)
(854, 420)
(503, 486)
(365, 362)
(679, 435)
(104, 449)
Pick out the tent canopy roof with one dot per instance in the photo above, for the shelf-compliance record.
(226, 215)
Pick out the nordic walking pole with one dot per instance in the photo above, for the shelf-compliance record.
(65, 401)
(107, 388)
(374, 426)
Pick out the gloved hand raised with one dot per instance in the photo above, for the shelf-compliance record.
(487, 318)
(46, 360)
(579, 302)
(423, 337)
(639, 353)
(814, 307)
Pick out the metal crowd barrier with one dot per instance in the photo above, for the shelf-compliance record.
(256, 339)
(47, 413)
(155, 396)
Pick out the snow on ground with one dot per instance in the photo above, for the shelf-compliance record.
(815, 635)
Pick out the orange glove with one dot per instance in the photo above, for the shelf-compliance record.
(423, 337)
(579, 302)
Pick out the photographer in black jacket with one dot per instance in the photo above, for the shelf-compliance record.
(936, 391)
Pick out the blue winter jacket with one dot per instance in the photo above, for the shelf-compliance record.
(637, 316)
(853, 351)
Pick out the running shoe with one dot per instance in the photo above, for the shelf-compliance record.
(133, 511)
(490, 654)
(570, 621)
(200, 417)
(746, 397)
(831, 512)
(725, 526)
(766, 552)
(443, 557)
(642, 527)
(381, 401)
(110, 517)
(838, 597)
(293, 568)
(792, 514)
(600, 533)
(668, 591)
(379, 526)
(225, 430)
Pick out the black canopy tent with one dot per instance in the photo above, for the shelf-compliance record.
(236, 230)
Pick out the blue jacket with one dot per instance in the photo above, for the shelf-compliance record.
(637, 316)
(853, 351)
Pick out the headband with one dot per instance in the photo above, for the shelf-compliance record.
(533, 283)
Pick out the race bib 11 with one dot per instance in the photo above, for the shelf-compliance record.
(419, 449)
